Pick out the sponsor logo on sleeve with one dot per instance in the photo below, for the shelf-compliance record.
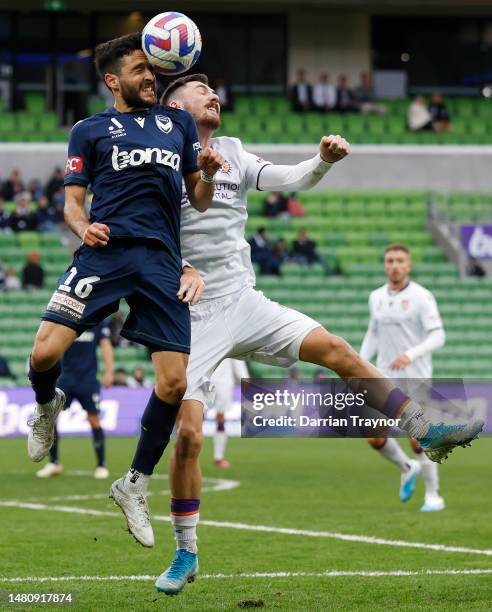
(74, 164)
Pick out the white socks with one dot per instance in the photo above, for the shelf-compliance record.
(430, 475)
(393, 452)
(414, 421)
(185, 531)
(220, 441)
(136, 483)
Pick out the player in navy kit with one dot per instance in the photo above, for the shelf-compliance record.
(135, 156)
(79, 381)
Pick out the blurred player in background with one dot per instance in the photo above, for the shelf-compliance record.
(236, 320)
(135, 155)
(404, 328)
(228, 373)
(79, 381)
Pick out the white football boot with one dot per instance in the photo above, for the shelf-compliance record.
(42, 427)
(136, 511)
(101, 473)
(49, 470)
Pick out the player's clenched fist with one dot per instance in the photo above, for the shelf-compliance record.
(333, 148)
(96, 235)
(210, 161)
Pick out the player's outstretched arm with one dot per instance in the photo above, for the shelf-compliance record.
(201, 185)
(91, 234)
(306, 174)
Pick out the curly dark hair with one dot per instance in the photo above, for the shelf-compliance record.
(109, 54)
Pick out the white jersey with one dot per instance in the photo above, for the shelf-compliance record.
(400, 320)
(213, 241)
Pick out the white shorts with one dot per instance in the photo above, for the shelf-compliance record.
(245, 325)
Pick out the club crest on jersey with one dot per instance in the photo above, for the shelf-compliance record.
(164, 123)
(226, 167)
(405, 304)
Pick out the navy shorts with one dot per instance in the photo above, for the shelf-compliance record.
(142, 272)
(87, 395)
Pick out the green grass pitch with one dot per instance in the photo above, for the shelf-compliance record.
(339, 486)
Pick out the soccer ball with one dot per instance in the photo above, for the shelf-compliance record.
(172, 42)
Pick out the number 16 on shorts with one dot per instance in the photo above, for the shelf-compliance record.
(72, 307)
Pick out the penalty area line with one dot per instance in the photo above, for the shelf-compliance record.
(261, 528)
(327, 574)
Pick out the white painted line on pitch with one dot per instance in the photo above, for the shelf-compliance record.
(263, 528)
(214, 485)
(327, 574)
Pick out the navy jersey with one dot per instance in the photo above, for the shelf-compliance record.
(134, 163)
(79, 363)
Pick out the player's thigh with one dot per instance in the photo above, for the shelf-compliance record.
(158, 319)
(211, 343)
(324, 348)
(92, 286)
(51, 341)
(266, 331)
(189, 424)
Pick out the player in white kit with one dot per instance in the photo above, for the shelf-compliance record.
(229, 372)
(404, 328)
(235, 320)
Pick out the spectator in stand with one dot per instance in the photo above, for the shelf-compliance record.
(418, 116)
(35, 189)
(346, 101)
(294, 206)
(12, 283)
(137, 379)
(23, 219)
(275, 204)
(439, 113)
(46, 215)
(119, 379)
(262, 253)
(364, 95)
(5, 219)
(324, 94)
(302, 93)
(304, 249)
(33, 273)
(5, 371)
(54, 184)
(281, 252)
(294, 375)
(3, 277)
(224, 92)
(320, 375)
(475, 268)
(12, 186)
(58, 202)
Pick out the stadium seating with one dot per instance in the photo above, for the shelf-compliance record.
(260, 119)
(352, 230)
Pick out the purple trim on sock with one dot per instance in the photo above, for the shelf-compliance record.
(393, 403)
(220, 426)
(418, 450)
(184, 506)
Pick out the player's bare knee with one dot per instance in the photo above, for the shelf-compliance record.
(171, 387)
(377, 443)
(44, 354)
(338, 351)
(189, 441)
